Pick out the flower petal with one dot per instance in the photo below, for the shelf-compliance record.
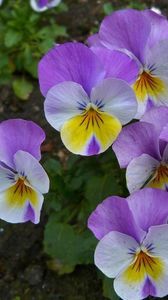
(70, 62)
(126, 29)
(16, 207)
(157, 58)
(90, 133)
(27, 166)
(139, 171)
(7, 178)
(129, 289)
(159, 27)
(18, 134)
(117, 64)
(94, 40)
(157, 116)
(42, 5)
(157, 240)
(149, 207)
(112, 253)
(117, 99)
(64, 101)
(113, 214)
(134, 140)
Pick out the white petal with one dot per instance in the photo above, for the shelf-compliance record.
(64, 101)
(139, 171)
(158, 237)
(117, 97)
(112, 254)
(14, 212)
(7, 178)
(27, 165)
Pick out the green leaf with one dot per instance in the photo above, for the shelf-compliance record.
(108, 290)
(69, 247)
(12, 38)
(22, 88)
(53, 166)
(108, 8)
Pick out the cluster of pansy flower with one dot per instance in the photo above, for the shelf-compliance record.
(90, 93)
(41, 5)
(23, 179)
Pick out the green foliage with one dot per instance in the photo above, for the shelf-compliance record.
(24, 37)
(108, 8)
(22, 88)
(108, 290)
(76, 189)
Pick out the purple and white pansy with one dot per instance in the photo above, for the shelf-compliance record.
(83, 101)
(142, 148)
(144, 35)
(133, 246)
(42, 5)
(23, 179)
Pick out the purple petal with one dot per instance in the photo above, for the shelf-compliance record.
(30, 214)
(148, 289)
(158, 117)
(126, 29)
(113, 214)
(164, 133)
(117, 64)
(94, 40)
(149, 207)
(134, 140)
(18, 134)
(159, 27)
(70, 62)
(93, 147)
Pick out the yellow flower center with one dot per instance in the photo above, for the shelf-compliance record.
(148, 85)
(160, 178)
(21, 192)
(144, 265)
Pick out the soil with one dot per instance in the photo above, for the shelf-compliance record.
(24, 274)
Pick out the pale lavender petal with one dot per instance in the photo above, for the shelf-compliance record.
(64, 101)
(139, 171)
(159, 27)
(18, 134)
(134, 140)
(27, 166)
(70, 62)
(117, 64)
(7, 178)
(117, 99)
(149, 207)
(42, 5)
(112, 254)
(113, 214)
(158, 117)
(126, 29)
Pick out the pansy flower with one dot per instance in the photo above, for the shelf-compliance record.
(144, 34)
(42, 5)
(82, 102)
(142, 148)
(133, 246)
(23, 181)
